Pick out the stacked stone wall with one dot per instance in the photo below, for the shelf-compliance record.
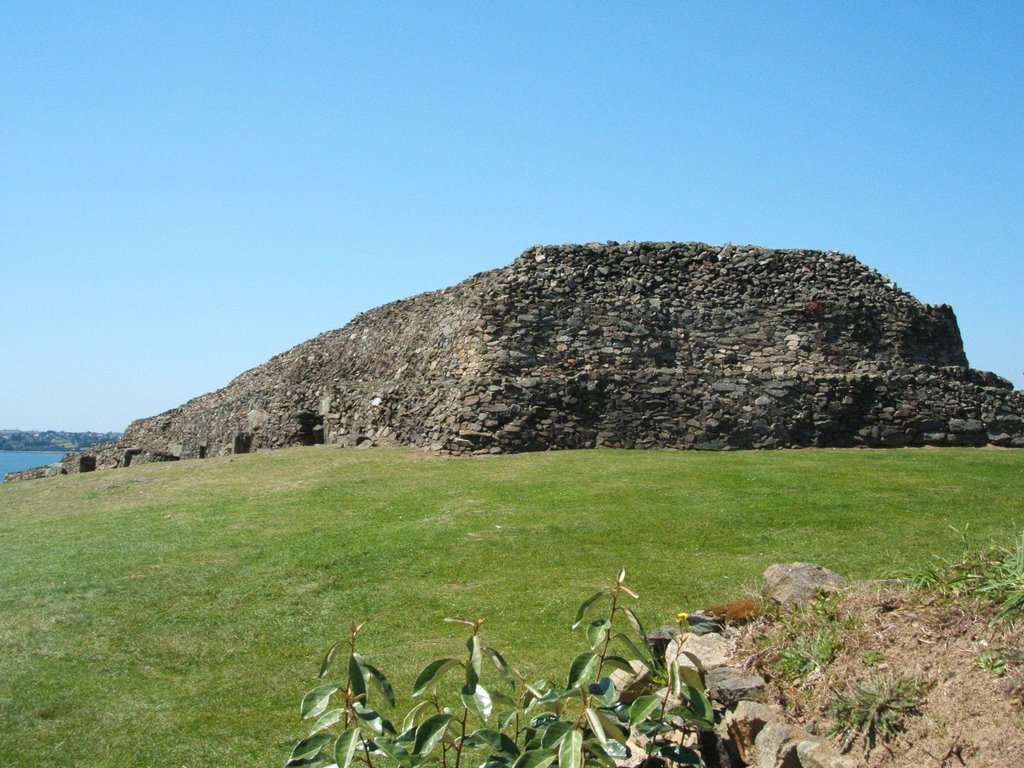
(639, 345)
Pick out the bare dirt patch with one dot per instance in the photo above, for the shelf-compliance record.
(970, 673)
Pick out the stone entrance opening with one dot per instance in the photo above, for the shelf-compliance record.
(86, 463)
(311, 428)
(242, 443)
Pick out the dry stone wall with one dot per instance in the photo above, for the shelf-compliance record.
(638, 345)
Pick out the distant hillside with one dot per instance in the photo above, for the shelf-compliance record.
(58, 442)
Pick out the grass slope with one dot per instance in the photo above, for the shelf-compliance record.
(174, 614)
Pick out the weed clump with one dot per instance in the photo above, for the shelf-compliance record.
(876, 711)
(994, 572)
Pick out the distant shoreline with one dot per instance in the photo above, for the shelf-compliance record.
(62, 451)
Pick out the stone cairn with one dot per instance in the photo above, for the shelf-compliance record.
(634, 345)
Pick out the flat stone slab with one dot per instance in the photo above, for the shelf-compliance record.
(713, 650)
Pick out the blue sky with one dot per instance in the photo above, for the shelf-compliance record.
(187, 189)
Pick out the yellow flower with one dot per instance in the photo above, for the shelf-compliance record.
(681, 617)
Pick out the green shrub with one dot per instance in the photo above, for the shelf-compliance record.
(490, 714)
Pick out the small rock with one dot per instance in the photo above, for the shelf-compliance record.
(729, 686)
(795, 584)
(818, 753)
(712, 649)
(745, 722)
(776, 745)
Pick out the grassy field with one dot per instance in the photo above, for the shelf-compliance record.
(174, 614)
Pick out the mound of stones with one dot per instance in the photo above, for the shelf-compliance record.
(633, 345)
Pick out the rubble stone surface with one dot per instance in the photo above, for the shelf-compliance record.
(633, 345)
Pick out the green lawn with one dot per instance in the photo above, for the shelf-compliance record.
(174, 614)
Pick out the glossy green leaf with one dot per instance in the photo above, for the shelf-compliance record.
(582, 669)
(315, 702)
(307, 749)
(476, 655)
(395, 751)
(626, 640)
(695, 661)
(478, 701)
(540, 722)
(674, 681)
(501, 665)
(679, 754)
(496, 740)
(432, 671)
(691, 677)
(597, 631)
(536, 758)
(617, 662)
(596, 754)
(503, 699)
(410, 718)
(642, 708)
(553, 733)
(377, 723)
(570, 752)
(612, 730)
(602, 690)
(585, 606)
(356, 679)
(329, 657)
(430, 733)
(634, 620)
(505, 719)
(346, 747)
(327, 719)
(377, 678)
(700, 705)
(595, 725)
(615, 750)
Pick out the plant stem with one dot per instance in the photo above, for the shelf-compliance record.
(462, 738)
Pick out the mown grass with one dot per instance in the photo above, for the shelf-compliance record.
(173, 615)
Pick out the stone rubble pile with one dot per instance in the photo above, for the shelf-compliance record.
(748, 731)
(634, 345)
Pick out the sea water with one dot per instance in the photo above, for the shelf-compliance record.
(14, 461)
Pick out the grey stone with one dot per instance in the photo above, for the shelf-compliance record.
(794, 584)
(729, 686)
(713, 650)
(818, 753)
(632, 686)
(776, 746)
(959, 426)
(745, 722)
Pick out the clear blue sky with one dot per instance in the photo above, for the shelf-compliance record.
(187, 189)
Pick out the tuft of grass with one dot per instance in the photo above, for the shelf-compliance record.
(808, 652)
(876, 711)
(994, 572)
(810, 638)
